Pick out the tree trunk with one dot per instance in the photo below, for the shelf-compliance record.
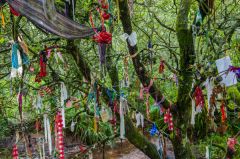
(182, 114)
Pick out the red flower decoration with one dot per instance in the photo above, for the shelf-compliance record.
(103, 37)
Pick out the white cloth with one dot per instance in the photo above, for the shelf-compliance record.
(64, 96)
(229, 78)
(47, 132)
(139, 119)
(132, 38)
(73, 125)
(209, 87)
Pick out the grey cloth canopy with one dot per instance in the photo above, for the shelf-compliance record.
(43, 14)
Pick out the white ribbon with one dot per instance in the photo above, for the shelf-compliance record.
(47, 133)
(139, 119)
(64, 96)
(132, 38)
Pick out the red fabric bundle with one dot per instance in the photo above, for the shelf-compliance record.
(161, 67)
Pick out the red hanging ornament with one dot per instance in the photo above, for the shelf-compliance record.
(161, 67)
(168, 120)
(59, 135)
(223, 112)
(13, 11)
(15, 152)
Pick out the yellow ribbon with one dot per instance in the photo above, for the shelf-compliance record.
(95, 124)
(2, 17)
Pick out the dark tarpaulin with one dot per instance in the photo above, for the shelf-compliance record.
(43, 14)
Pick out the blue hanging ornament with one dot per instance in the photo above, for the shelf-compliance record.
(153, 130)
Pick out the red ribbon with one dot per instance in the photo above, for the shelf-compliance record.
(224, 116)
(199, 98)
(15, 152)
(161, 67)
(13, 11)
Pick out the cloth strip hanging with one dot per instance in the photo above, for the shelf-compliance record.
(59, 25)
